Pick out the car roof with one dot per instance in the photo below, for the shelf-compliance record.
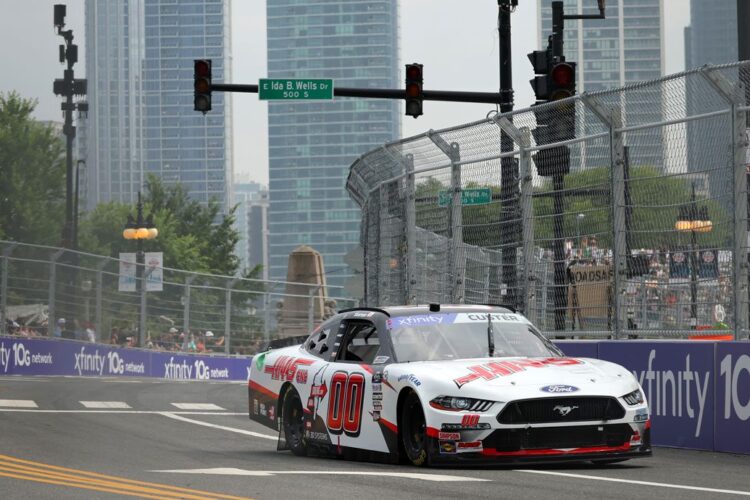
(445, 308)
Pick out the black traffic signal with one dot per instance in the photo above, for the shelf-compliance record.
(413, 89)
(541, 61)
(202, 85)
(563, 85)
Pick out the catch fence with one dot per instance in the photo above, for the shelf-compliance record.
(53, 292)
(616, 213)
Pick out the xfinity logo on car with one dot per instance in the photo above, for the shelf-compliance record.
(557, 389)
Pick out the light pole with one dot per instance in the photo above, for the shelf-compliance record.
(695, 220)
(140, 229)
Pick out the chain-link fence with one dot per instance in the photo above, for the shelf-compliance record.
(53, 292)
(615, 213)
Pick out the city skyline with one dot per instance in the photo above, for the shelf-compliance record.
(459, 42)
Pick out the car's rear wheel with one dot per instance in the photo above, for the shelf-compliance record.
(293, 423)
(414, 430)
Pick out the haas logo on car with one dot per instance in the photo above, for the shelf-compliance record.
(285, 367)
(490, 371)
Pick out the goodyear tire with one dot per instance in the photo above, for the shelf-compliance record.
(414, 431)
(293, 423)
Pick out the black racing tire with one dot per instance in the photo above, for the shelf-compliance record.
(294, 423)
(608, 461)
(413, 429)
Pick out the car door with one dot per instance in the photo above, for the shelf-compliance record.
(348, 408)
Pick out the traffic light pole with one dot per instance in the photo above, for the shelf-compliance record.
(509, 220)
(427, 95)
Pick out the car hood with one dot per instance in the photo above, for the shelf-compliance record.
(518, 377)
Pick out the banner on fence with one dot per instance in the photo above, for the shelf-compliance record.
(155, 264)
(21, 356)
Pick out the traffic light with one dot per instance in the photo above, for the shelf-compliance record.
(540, 60)
(202, 85)
(413, 89)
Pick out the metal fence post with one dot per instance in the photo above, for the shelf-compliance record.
(51, 321)
(612, 119)
(527, 220)
(266, 317)
(457, 258)
(410, 227)
(228, 313)
(186, 306)
(4, 287)
(311, 308)
(99, 290)
(734, 94)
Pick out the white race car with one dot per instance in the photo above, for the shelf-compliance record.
(445, 385)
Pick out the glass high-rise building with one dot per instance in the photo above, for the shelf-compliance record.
(139, 65)
(624, 48)
(313, 143)
(711, 38)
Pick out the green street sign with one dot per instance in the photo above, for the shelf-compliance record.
(289, 89)
(471, 196)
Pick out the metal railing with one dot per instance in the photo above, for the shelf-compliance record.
(600, 250)
(53, 292)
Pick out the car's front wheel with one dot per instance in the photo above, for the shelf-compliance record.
(293, 423)
(414, 431)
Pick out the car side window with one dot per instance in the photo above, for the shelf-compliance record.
(360, 342)
(318, 344)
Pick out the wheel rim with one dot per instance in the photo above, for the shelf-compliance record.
(293, 425)
(414, 428)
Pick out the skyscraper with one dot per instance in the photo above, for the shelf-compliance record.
(313, 143)
(624, 48)
(711, 38)
(251, 221)
(139, 64)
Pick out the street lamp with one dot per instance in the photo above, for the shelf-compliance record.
(140, 229)
(695, 220)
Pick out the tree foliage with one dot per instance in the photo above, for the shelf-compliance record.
(192, 235)
(32, 169)
(655, 201)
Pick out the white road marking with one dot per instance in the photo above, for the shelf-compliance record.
(220, 427)
(197, 406)
(105, 404)
(643, 483)
(18, 403)
(407, 475)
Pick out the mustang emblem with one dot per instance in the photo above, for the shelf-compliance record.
(563, 411)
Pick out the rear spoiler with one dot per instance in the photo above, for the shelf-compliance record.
(284, 342)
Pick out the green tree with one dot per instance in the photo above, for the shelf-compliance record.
(32, 169)
(192, 236)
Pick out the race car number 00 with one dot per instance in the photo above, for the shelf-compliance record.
(345, 405)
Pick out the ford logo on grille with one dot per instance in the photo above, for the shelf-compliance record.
(558, 389)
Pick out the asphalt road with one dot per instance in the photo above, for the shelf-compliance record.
(57, 441)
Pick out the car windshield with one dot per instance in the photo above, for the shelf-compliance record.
(441, 336)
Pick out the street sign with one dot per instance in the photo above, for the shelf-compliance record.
(471, 196)
(288, 89)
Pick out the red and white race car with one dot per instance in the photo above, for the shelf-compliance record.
(445, 384)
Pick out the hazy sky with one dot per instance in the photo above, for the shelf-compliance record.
(456, 40)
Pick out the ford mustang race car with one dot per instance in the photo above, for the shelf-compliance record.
(445, 385)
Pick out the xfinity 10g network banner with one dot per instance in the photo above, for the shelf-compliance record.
(21, 356)
(698, 392)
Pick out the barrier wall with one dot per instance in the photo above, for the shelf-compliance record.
(24, 356)
(698, 392)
